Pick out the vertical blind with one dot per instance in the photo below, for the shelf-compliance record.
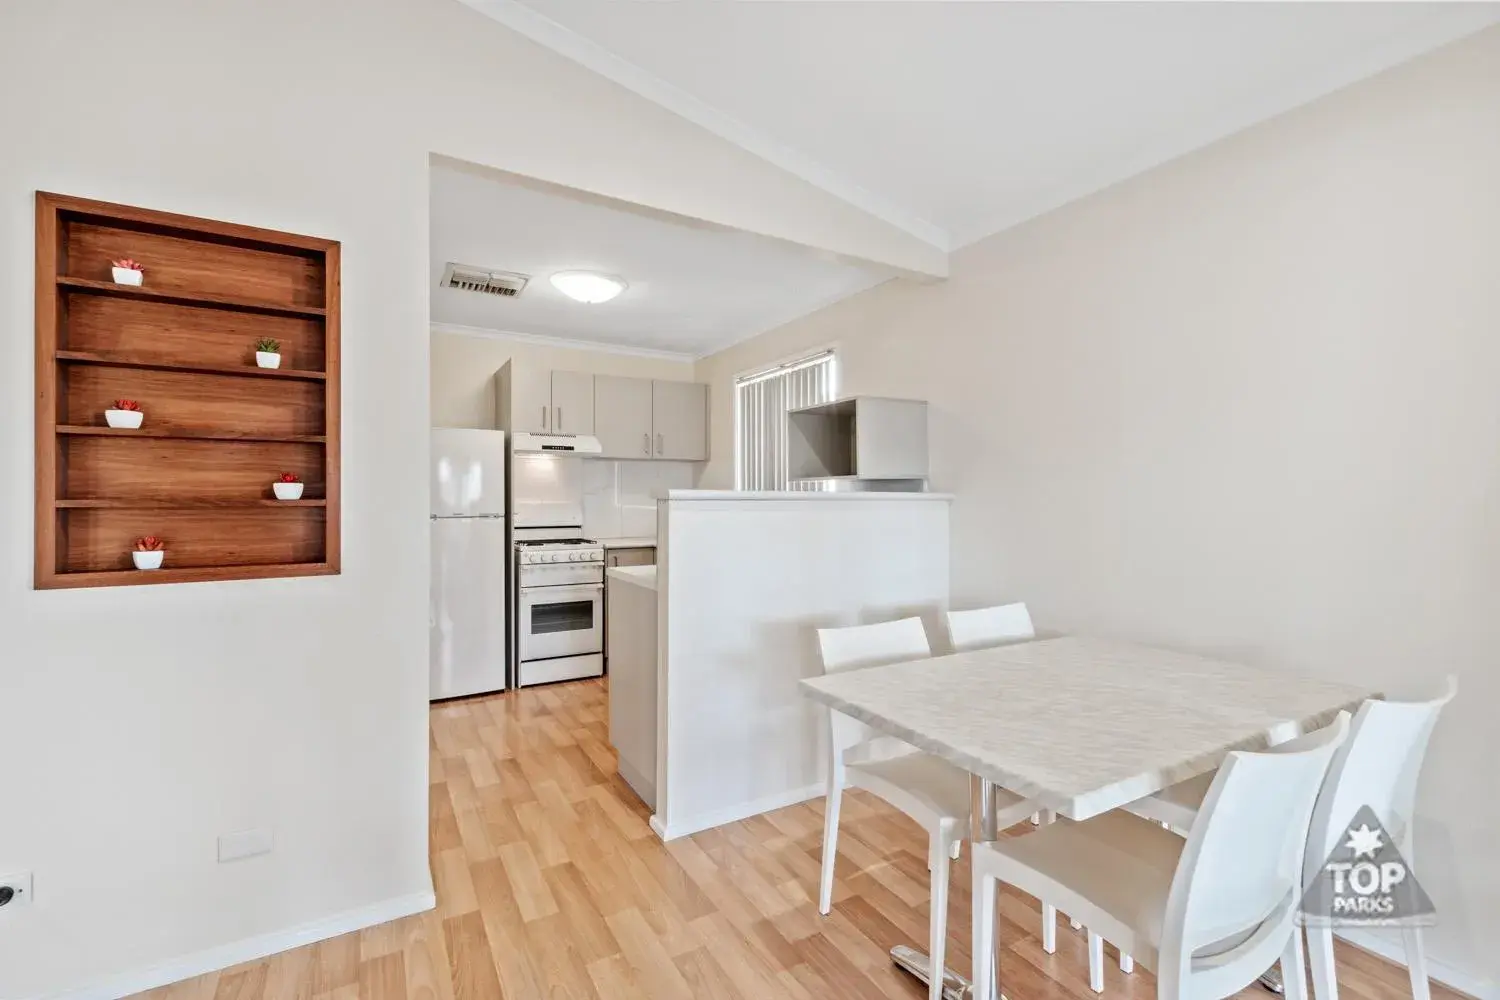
(762, 400)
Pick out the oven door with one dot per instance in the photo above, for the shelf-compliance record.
(561, 621)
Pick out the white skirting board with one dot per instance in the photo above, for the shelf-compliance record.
(707, 821)
(251, 948)
(1395, 952)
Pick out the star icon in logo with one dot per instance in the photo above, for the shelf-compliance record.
(1364, 840)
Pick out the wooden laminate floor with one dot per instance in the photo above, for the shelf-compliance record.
(551, 885)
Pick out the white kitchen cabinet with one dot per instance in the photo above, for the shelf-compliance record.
(523, 399)
(862, 442)
(572, 403)
(542, 401)
(622, 416)
(679, 420)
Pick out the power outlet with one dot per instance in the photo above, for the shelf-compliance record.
(15, 891)
(244, 844)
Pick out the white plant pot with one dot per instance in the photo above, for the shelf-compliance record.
(148, 560)
(266, 359)
(128, 419)
(125, 276)
(288, 491)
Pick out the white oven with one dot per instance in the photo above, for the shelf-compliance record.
(561, 621)
(559, 609)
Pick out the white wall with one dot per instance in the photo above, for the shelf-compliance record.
(463, 368)
(139, 723)
(1247, 403)
(744, 580)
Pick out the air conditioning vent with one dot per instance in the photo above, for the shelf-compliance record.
(477, 279)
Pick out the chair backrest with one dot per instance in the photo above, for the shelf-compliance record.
(1239, 879)
(1377, 767)
(986, 627)
(866, 646)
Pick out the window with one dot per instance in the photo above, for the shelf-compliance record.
(761, 402)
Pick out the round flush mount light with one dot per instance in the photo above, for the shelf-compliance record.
(588, 286)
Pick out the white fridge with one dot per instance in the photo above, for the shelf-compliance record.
(467, 605)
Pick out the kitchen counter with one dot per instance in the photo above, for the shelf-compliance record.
(629, 542)
(641, 576)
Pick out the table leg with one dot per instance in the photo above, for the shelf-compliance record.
(984, 815)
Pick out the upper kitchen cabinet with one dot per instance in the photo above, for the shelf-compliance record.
(540, 401)
(523, 399)
(679, 420)
(622, 416)
(572, 403)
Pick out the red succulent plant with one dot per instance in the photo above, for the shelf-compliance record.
(127, 404)
(289, 477)
(128, 264)
(150, 544)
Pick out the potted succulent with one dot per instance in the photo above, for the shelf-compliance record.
(288, 487)
(149, 552)
(268, 353)
(125, 413)
(126, 271)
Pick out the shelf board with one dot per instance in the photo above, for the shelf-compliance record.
(202, 299)
(189, 574)
(148, 432)
(250, 371)
(251, 504)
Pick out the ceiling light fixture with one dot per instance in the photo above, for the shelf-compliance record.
(588, 286)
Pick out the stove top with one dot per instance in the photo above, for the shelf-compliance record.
(536, 551)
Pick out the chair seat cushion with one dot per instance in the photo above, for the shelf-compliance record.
(1120, 864)
(928, 783)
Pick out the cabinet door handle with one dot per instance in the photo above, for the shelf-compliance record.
(645, 444)
(658, 444)
(559, 418)
(544, 418)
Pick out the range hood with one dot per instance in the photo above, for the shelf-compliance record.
(576, 444)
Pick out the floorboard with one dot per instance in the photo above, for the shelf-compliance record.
(551, 885)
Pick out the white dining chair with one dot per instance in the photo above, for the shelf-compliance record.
(1378, 766)
(1209, 913)
(921, 785)
(986, 627)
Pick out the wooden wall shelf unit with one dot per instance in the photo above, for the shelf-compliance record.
(218, 430)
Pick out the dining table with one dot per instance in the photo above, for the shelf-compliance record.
(1078, 725)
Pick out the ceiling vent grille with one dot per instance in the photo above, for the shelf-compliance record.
(477, 279)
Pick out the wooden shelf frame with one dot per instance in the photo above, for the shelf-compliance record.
(200, 274)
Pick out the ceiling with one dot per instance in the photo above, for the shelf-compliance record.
(693, 288)
(956, 120)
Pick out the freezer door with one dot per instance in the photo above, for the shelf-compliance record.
(468, 472)
(467, 607)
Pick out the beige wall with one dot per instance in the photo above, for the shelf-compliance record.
(140, 723)
(464, 365)
(1247, 403)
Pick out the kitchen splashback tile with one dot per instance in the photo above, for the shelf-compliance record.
(620, 496)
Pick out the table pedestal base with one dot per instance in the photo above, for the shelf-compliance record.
(916, 963)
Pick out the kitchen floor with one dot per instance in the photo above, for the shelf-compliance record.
(550, 884)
